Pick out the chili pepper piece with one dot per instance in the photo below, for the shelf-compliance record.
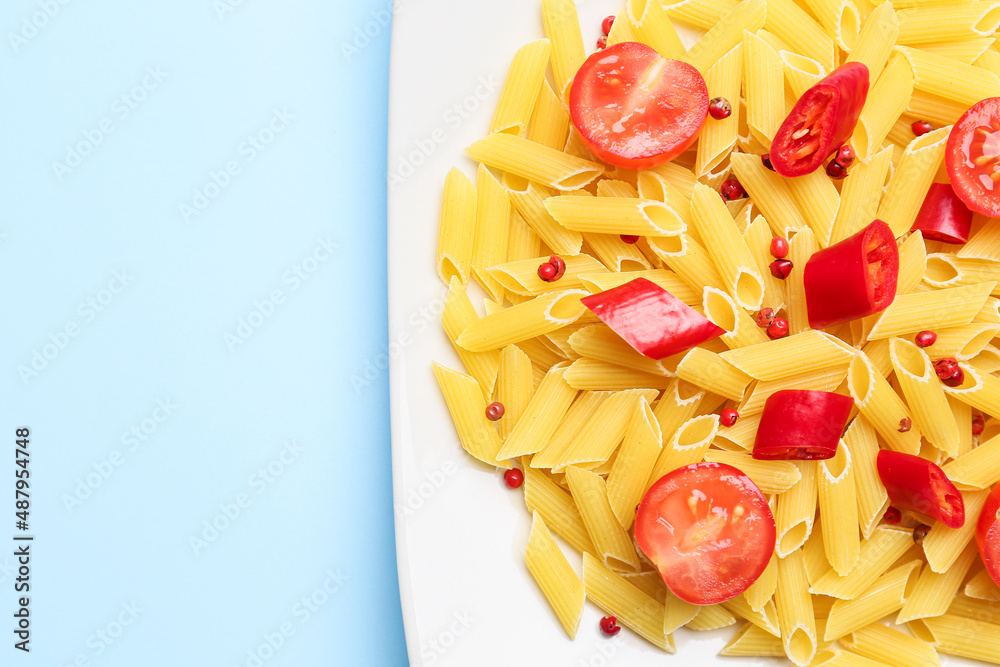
(943, 216)
(821, 121)
(853, 278)
(799, 424)
(917, 484)
(651, 319)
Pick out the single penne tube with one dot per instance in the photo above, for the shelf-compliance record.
(514, 388)
(952, 80)
(577, 417)
(912, 263)
(987, 360)
(862, 442)
(604, 430)
(687, 445)
(924, 395)
(947, 270)
(649, 582)
(628, 480)
(726, 34)
(982, 587)
(556, 506)
(943, 545)
(937, 110)
(521, 276)
(458, 314)
(596, 375)
(598, 341)
(912, 178)
(728, 250)
(653, 26)
(795, 610)
(769, 476)
(761, 592)
(825, 379)
(549, 123)
(889, 97)
(838, 504)
(859, 196)
(534, 162)
(613, 545)
(457, 228)
(562, 28)
(935, 309)
(680, 178)
(801, 74)
(493, 210)
(984, 243)
(699, 13)
(967, 51)
(881, 406)
(795, 513)
(758, 237)
(839, 18)
(709, 371)
(541, 417)
(613, 594)
(878, 553)
(677, 613)
(752, 641)
(885, 596)
(818, 200)
(467, 406)
(678, 403)
(876, 39)
(980, 390)
(723, 311)
(798, 30)
(689, 259)
(523, 321)
(668, 280)
(974, 608)
(723, 79)
(966, 638)
(979, 468)
(529, 200)
(934, 592)
(792, 355)
(941, 23)
(802, 246)
(555, 576)
(764, 83)
(520, 89)
(711, 617)
(889, 646)
(615, 215)
(615, 254)
(770, 192)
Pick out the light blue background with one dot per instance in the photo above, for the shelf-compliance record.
(223, 73)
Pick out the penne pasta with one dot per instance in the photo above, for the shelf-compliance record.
(458, 216)
(687, 445)
(534, 162)
(723, 311)
(577, 417)
(595, 375)
(467, 406)
(769, 192)
(889, 646)
(796, 510)
(966, 638)
(549, 123)
(562, 27)
(678, 403)
(629, 476)
(751, 641)
(793, 355)
(764, 86)
(615, 215)
(978, 468)
(881, 406)
(802, 246)
(924, 395)
(555, 505)
(885, 596)
(677, 613)
(818, 200)
(943, 545)
(761, 591)
(611, 541)
(795, 611)
(529, 200)
(912, 179)
(878, 553)
(769, 476)
(492, 231)
(633, 608)
(604, 431)
(758, 237)
(654, 27)
(668, 280)
(799, 31)
(889, 97)
(838, 505)
(523, 321)
(725, 34)
(514, 387)
(457, 316)
(876, 39)
(912, 263)
(541, 417)
(520, 89)
(980, 390)
(933, 593)
(554, 576)
(944, 270)
(598, 341)
(942, 76)
(709, 371)
(860, 195)
(521, 276)
(861, 441)
(937, 309)
(942, 23)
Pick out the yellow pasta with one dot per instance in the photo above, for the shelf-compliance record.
(758, 237)
(534, 162)
(888, 98)
(977, 468)
(458, 217)
(604, 430)
(795, 610)
(687, 445)
(526, 320)
(885, 596)
(726, 34)
(576, 420)
(933, 592)
(677, 613)
(838, 506)
(769, 476)
(752, 641)
(597, 341)
(761, 592)
(801, 248)
(801, 74)
(881, 406)
(844, 658)
(943, 545)
(653, 26)
(562, 27)
(912, 263)
(924, 395)
(770, 192)
(723, 311)
(688, 259)
(919, 25)
(717, 139)
(911, 180)
(492, 230)
(520, 89)
(967, 638)
(792, 355)
(529, 200)
(668, 280)
(939, 75)
(615, 215)
(554, 576)
(860, 194)
(876, 39)
(596, 375)
(549, 123)
(678, 403)
(819, 201)
(633, 608)
(878, 553)
(980, 390)
(611, 541)
(710, 371)
(467, 406)
(889, 646)
(984, 243)
(514, 388)
(627, 482)
(541, 417)
(521, 276)
(945, 270)
(764, 85)
(796, 510)
(967, 51)
(711, 617)
(860, 439)
(457, 316)
(937, 309)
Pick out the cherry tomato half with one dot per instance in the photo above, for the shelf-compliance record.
(973, 157)
(988, 534)
(708, 529)
(634, 108)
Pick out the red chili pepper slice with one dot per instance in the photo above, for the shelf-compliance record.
(800, 424)
(651, 319)
(853, 278)
(943, 216)
(988, 534)
(821, 121)
(917, 484)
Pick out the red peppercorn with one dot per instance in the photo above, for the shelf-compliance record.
(925, 338)
(766, 161)
(955, 380)
(609, 626)
(978, 425)
(602, 43)
(728, 417)
(764, 317)
(719, 108)
(778, 328)
(560, 264)
(731, 189)
(845, 156)
(921, 127)
(494, 411)
(905, 424)
(920, 532)
(835, 170)
(607, 23)
(513, 478)
(892, 515)
(780, 268)
(779, 247)
(627, 238)
(945, 367)
(547, 272)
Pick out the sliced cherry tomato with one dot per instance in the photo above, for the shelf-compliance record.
(821, 121)
(973, 157)
(917, 484)
(708, 529)
(988, 534)
(636, 109)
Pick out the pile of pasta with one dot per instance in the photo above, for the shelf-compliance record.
(592, 423)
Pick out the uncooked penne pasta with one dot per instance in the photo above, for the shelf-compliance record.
(889, 97)
(633, 608)
(876, 39)
(556, 506)
(795, 610)
(912, 263)
(726, 34)
(839, 18)
(801, 248)
(615, 215)
(723, 311)
(458, 217)
(761, 592)
(936, 309)
(838, 506)
(792, 355)
(818, 200)
(980, 390)
(984, 243)
(764, 85)
(711, 617)
(628, 479)
(963, 21)
(514, 388)
(520, 89)
(878, 553)
(677, 613)
(859, 196)
(889, 646)
(535, 162)
(611, 541)
(678, 403)
(924, 395)
(457, 316)
(653, 26)
(554, 576)
(549, 123)
(939, 75)
(577, 418)
(521, 276)
(493, 210)
(860, 439)
(912, 179)
(562, 27)
(465, 401)
(688, 259)
(881, 406)
(798, 30)
(596, 375)
(943, 545)
(966, 638)
(979, 468)
(529, 200)
(597, 341)
(752, 641)
(769, 476)
(933, 592)
(687, 445)
(758, 237)
(885, 596)
(604, 430)
(796, 510)
(709, 371)
(541, 417)
(945, 270)
(523, 321)
(723, 79)
(769, 192)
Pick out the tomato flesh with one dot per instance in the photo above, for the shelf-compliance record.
(973, 157)
(635, 109)
(988, 534)
(708, 529)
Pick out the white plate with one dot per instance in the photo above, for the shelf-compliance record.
(466, 594)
